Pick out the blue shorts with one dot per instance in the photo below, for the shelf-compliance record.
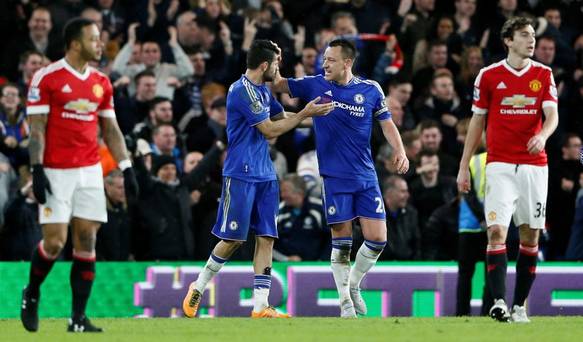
(246, 205)
(345, 200)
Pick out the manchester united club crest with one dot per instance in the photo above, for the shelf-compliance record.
(535, 85)
(98, 91)
(492, 215)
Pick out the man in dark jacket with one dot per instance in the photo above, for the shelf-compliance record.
(113, 238)
(164, 216)
(301, 224)
(404, 242)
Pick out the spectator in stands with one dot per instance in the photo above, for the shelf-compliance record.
(436, 59)
(470, 65)
(440, 237)
(21, 231)
(466, 27)
(30, 62)
(164, 218)
(431, 139)
(114, 237)
(443, 105)
(168, 76)
(564, 179)
(188, 98)
(301, 224)
(562, 35)
(203, 202)
(164, 222)
(473, 238)
(113, 16)
(415, 26)
(164, 142)
(401, 89)
(545, 52)
(160, 113)
(430, 190)
(403, 228)
(187, 30)
(14, 128)
(132, 109)
(201, 138)
(37, 38)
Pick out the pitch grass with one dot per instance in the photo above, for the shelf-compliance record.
(306, 329)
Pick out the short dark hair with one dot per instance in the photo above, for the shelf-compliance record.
(26, 54)
(74, 30)
(347, 47)
(426, 153)
(157, 129)
(568, 137)
(142, 74)
(428, 123)
(261, 50)
(512, 25)
(391, 182)
(157, 100)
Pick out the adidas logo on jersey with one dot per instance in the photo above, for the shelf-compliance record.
(501, 85)
(66, 89)
(329, 93)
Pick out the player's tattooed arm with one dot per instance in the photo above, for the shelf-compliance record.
(114, 139)
(36, 143)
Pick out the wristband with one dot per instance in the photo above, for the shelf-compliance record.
(124, 164)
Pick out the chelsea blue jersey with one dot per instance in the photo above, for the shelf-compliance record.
(343, 136)
(248, 105)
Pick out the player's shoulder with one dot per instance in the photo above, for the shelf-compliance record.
(488, 71)
(47, 72)
(371, 85)
(493, 68)
(245, 90)
(541, 66)
(94, 72)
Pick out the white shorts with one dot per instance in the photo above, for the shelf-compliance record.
(77, 192)
(517, 191)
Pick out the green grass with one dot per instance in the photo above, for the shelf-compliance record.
(306, 329)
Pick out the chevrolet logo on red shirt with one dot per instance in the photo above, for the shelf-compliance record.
(518, 101)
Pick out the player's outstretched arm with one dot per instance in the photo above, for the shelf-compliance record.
(279, 84)
(393, 136)
(273, 129)
(537, 142)
(307, 122)
(115, 142)
(475, 129)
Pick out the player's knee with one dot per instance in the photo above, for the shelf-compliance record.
(265, 242)
(496, 235)
(232, 245)
(53, 246)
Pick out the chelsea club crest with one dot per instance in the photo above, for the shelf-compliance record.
(359, 98)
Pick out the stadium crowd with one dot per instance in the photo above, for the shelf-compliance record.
(171, 63)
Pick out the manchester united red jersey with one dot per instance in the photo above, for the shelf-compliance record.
(513, 100)
(73, 102)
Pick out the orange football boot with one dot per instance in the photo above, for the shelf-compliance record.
(191, 301)
(269, 312)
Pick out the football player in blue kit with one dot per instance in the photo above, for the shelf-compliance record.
(350, 187)
(250, 196)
